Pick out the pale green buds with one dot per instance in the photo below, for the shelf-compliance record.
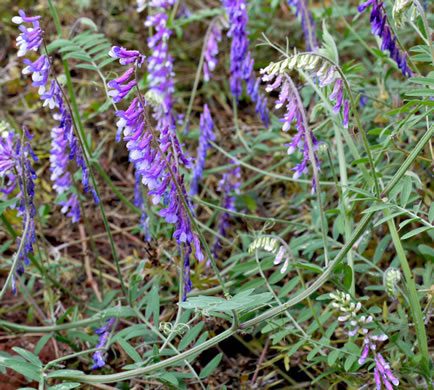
(391, 278)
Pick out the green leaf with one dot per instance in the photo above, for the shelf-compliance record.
(4, 204)
(431, 213)
(153, 306)
(348, 276)
(131, 352)
(170, 378)
(64, 386)
(78, 56)
(87, 66)
(59, 43)
(211, 366)
(30, 371)
(354, 353)
(332, 357)
(295, 348)
(427, 251)
(61, 373)
(406, 191)
(330, 44)
(421, 92)
(415, 232)
(117, 312)
(31, 357)
(423, 80)
(106, 62)
(388, 217)
(190, 336)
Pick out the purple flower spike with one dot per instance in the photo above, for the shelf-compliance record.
(241, 61)
(104, 332)
(206, 134)
(16, 168)
(382, 29)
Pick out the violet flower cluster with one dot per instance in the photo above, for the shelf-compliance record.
(62, 137)
(229, 185)
(241, 58)
(206, 134)
(325, 75)
(104, 333)
(381, 28)
(212, 49)
(307, 23)
(157, 160)
(359, 324)
(17, 171)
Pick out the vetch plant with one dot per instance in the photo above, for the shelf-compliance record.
(231, 237)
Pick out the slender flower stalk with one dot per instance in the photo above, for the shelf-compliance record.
(359, 324)
(381, 28)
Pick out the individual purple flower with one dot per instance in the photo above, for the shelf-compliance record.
(346, 114)
(307, 23)
(104, 333)
(126, 56)
(206, 134)
(241, 61)
(380, 27)
(211, 50)
(29, 39)
(120, 90)
(229, 186)
(39, 70)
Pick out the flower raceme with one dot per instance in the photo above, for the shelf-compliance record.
(349, 311)
(206, 134)
(156, 153)
(17, 170)
(62, 136)
(241, 59)
(381, 28)
(325, 75)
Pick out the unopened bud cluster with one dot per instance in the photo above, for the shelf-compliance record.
(272, 245)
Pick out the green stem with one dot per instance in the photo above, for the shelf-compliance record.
(414, 303)
(17, 256)
(345, 205)
(312, 158)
